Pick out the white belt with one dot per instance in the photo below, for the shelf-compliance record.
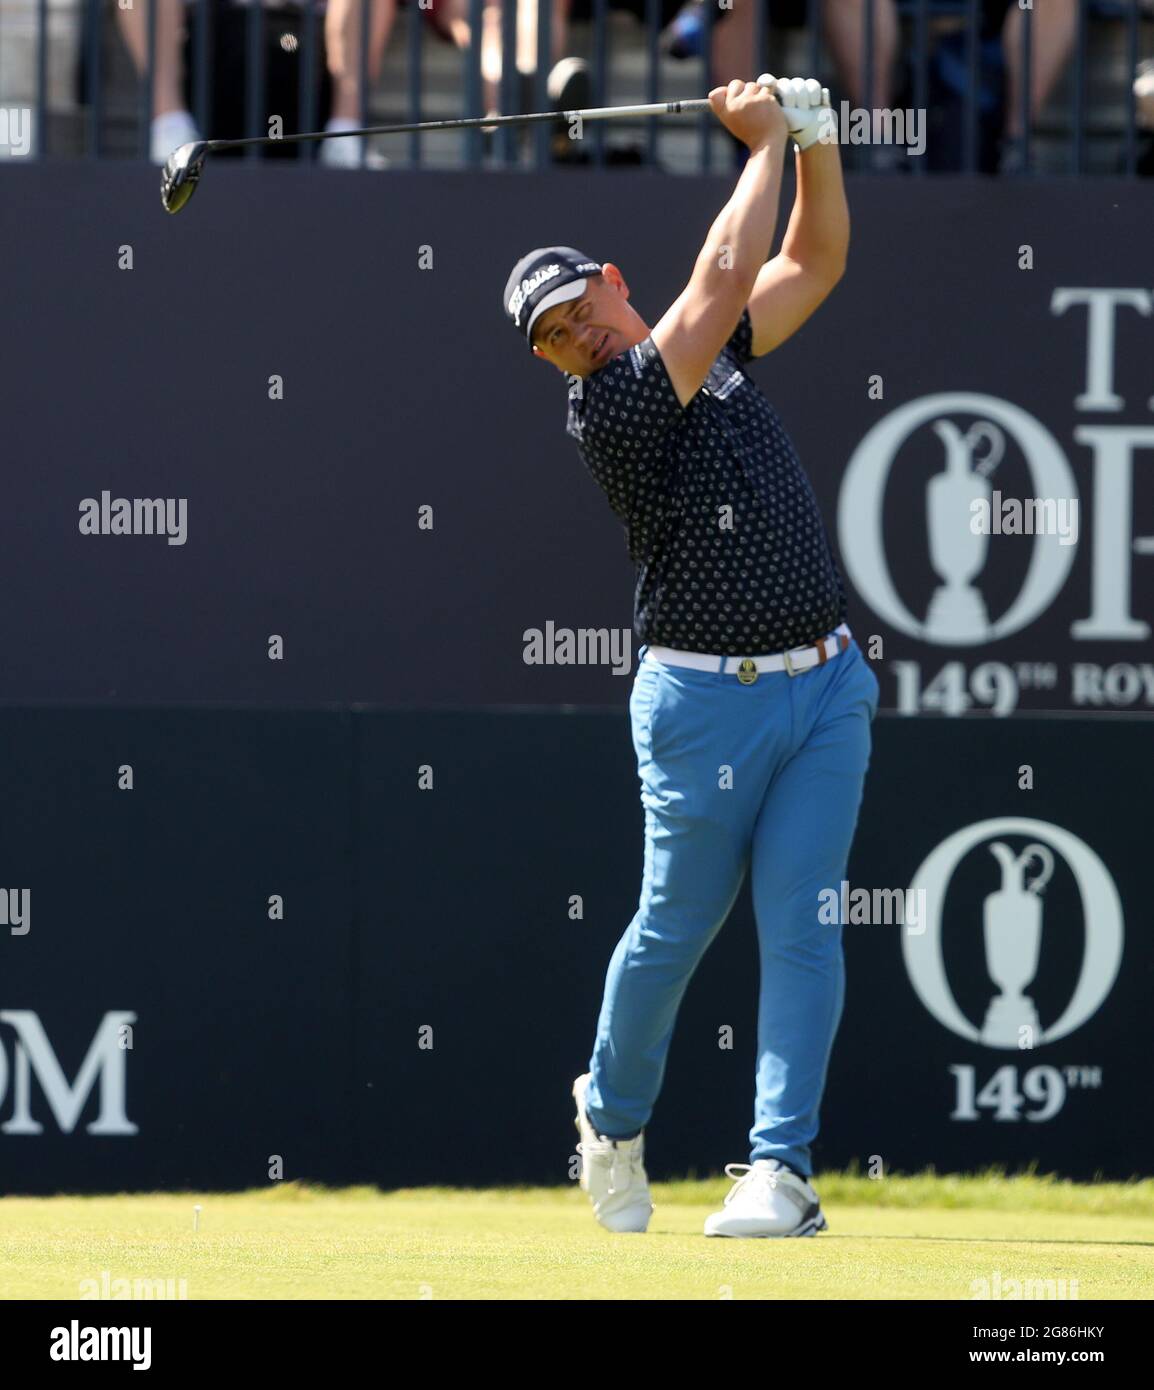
(748, 668)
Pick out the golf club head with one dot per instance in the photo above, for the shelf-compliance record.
(182, 174)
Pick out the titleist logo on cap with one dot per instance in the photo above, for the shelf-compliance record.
(532, 283)
(526, 288)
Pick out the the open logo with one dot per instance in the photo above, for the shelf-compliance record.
(1013, 931)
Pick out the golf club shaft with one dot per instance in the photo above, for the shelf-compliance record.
(596, 113)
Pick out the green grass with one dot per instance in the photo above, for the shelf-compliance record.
(925, 1236)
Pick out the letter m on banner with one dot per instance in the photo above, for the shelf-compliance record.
(33, 1055)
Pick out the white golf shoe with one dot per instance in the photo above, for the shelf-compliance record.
(612, 1172)
(350, 152)
(168, 132)
(767, 1200)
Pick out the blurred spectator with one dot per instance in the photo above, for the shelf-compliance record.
(172, 124)
(568, 85)
(343, 49)
(282, 38)
(340, 104)
(843, 28)
(1144, 104)
(1053, 33)
(948, 94)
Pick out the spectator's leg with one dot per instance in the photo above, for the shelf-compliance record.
(168, 69)
(492, 52)
(733, 37)
(844, 26)
(172, 123)
(343, 49)
(457, 21)
(456, 14)
(1144, 97)
(527, 33)
(1052, 37)
(492, 55)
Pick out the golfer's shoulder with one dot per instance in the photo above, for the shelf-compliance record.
(593, 399)
(627, 410)
(635, 381)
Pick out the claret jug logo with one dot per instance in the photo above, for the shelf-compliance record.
(1024, 927)
(1011, 932)
(965, 520)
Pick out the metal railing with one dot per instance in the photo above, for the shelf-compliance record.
(65, 72)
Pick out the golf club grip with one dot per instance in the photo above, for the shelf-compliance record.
(659, 108)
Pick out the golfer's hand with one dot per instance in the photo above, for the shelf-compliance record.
(750, 112)
(806, 105)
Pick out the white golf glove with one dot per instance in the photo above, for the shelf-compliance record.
(807, 108)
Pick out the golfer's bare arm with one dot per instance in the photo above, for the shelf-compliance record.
(813, 253)
(701, 320)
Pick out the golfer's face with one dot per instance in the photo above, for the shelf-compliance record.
(582, 335)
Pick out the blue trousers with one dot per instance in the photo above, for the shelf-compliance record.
(736, 778)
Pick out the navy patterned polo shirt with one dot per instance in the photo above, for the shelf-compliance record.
(720, 519)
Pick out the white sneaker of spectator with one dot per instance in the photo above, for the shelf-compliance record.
(346, 153)
(169, 132)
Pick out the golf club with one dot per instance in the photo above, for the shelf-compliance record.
(183, 168)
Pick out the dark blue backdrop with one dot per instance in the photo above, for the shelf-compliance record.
(405, 387)
(448, 908)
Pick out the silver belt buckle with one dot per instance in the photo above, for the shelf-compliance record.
(789, 664)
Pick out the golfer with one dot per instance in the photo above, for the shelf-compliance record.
(752, 704)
